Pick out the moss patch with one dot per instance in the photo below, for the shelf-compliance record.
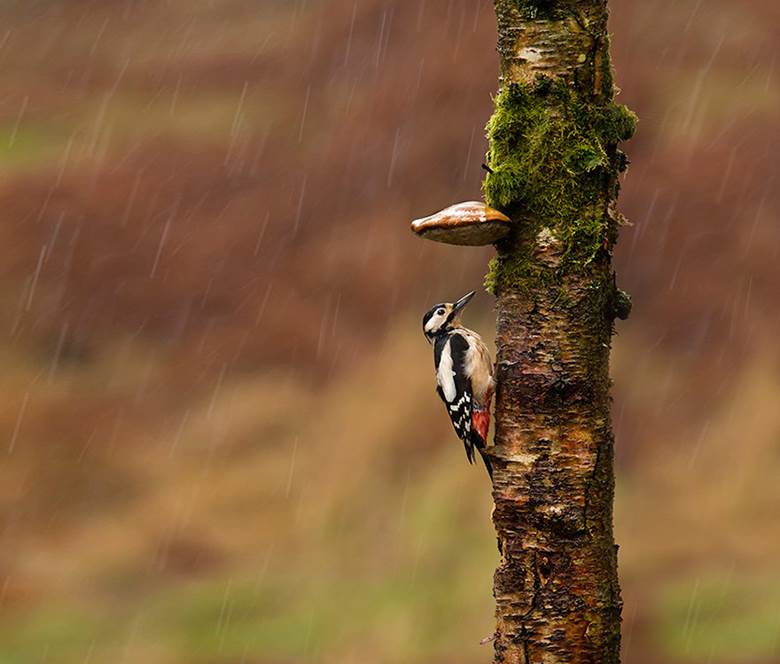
(554, 162)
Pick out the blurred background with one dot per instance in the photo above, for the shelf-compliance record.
(212, 449)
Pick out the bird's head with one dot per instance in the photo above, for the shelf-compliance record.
(443, 317)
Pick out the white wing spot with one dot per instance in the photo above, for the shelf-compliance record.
(445, 376)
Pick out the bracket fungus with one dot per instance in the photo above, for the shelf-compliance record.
(472, 223)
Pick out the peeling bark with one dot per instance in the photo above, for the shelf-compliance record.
(556, 588)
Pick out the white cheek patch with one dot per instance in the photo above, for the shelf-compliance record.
(433, 323)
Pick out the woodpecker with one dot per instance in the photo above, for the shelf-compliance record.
(464, 375)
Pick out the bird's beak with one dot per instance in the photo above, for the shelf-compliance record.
(460, 304)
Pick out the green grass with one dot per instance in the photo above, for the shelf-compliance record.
(20, 145)
(721, 618)
(398, 590)
(62, 634)
(414, 590)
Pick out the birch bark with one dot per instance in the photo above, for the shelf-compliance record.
(554, 168)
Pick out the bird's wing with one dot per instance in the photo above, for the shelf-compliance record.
(454, 388)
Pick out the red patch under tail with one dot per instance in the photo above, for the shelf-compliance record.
(480, 417)
(480, 422)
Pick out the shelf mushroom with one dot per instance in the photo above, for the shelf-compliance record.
(471, 223)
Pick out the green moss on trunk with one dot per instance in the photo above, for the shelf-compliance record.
(553, 157)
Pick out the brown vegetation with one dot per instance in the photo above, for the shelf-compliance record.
(210, 288)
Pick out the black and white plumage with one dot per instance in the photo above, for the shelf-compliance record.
(464, 375)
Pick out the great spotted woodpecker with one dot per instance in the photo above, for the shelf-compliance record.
(464, 375)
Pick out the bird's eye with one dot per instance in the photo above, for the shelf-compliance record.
(440, 312)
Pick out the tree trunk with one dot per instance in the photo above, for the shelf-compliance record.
(554, 167)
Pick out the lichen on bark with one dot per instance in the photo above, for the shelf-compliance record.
(554, 166)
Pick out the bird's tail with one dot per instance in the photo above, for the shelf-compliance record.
(479, 442)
